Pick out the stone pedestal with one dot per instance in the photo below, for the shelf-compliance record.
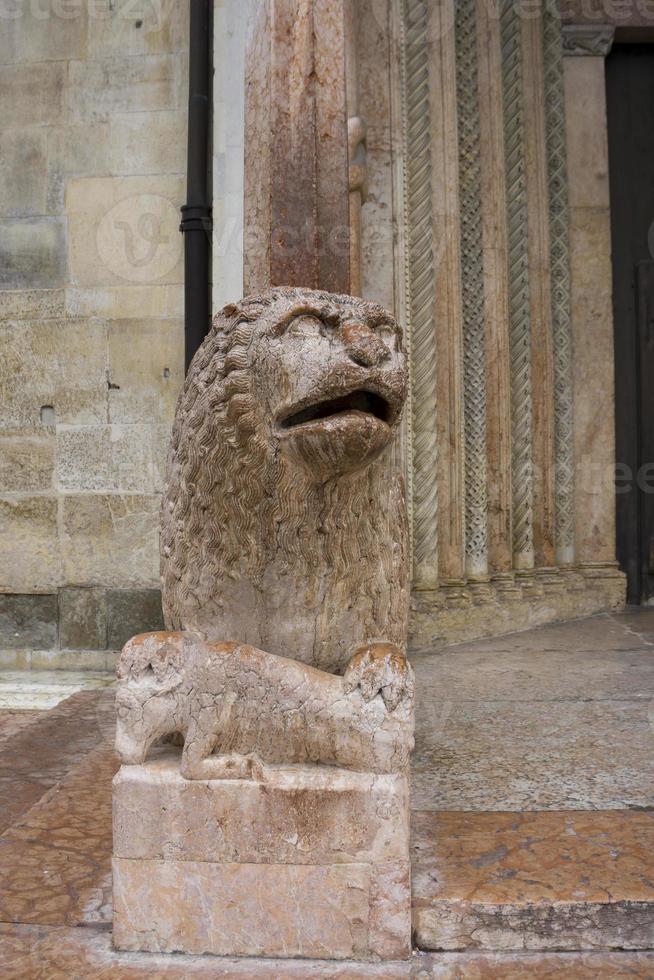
(314, 862)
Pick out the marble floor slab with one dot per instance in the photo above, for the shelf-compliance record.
(560, 717)
(490, 755)
(41, 754)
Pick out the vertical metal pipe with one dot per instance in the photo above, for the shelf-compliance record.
(196, 213)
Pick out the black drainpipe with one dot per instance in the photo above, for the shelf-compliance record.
(196, 213)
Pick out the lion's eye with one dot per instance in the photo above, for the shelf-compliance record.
(307, 326)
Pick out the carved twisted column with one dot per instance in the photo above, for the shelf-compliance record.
(560, 282)
(542, 383)
(472, 291)
(420, 292)
(519, 293)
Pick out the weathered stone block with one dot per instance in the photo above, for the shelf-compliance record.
(121, 84)
(71, 149)
(32, 304)
(28, 621)
(105, 457)
(23, 172)
(313, 862)
(164, 151)
(127, 302)
(32, 253)
(111, 539)
(32, 95)
(124, 230)
(56, 363)
(44, 32)
(26, 460)
(29, 549)
(146, 365)
(83, 619)
(132, 611)
(242, 910)
(151, 28)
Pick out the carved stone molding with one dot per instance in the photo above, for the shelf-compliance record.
(590, 40)
(472, 291)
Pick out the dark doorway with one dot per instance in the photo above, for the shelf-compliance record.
(630, 106)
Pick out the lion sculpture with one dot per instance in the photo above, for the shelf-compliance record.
(283, 518)
(283, 523)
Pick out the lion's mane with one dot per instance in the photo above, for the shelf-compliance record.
(234, 508)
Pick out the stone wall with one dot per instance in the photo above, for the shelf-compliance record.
(92, 161)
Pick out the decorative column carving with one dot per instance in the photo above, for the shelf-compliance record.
(420, 273)
(594, 40)
(560, 282)
(296, 159)
(542, 380)
(472, 292)
(519, 293)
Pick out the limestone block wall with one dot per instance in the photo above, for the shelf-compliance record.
(92, 161)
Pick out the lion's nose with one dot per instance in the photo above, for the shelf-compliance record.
(363, 345)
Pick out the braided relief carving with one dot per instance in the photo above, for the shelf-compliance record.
(420, 288)
(472, 274)
(560, 281)
(519, 312)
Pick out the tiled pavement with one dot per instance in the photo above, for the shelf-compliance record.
(533, 826)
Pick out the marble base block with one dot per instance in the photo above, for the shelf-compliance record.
(314, 862)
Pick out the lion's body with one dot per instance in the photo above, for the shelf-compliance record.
(255, 549)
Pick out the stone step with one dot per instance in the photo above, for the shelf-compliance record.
(28, 951)
(549, 880)
(44, 689)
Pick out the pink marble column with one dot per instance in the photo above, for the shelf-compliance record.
(297, 226)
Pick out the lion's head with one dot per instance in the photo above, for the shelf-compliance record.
(289, 401)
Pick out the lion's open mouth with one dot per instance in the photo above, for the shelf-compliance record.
(357, 401)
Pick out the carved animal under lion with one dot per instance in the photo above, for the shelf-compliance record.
(284, 530)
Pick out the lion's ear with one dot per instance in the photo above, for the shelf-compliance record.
(230, 310)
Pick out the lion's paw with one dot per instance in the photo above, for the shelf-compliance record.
(380, 668)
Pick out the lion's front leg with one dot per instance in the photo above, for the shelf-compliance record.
(380, 668)
(198, 761)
